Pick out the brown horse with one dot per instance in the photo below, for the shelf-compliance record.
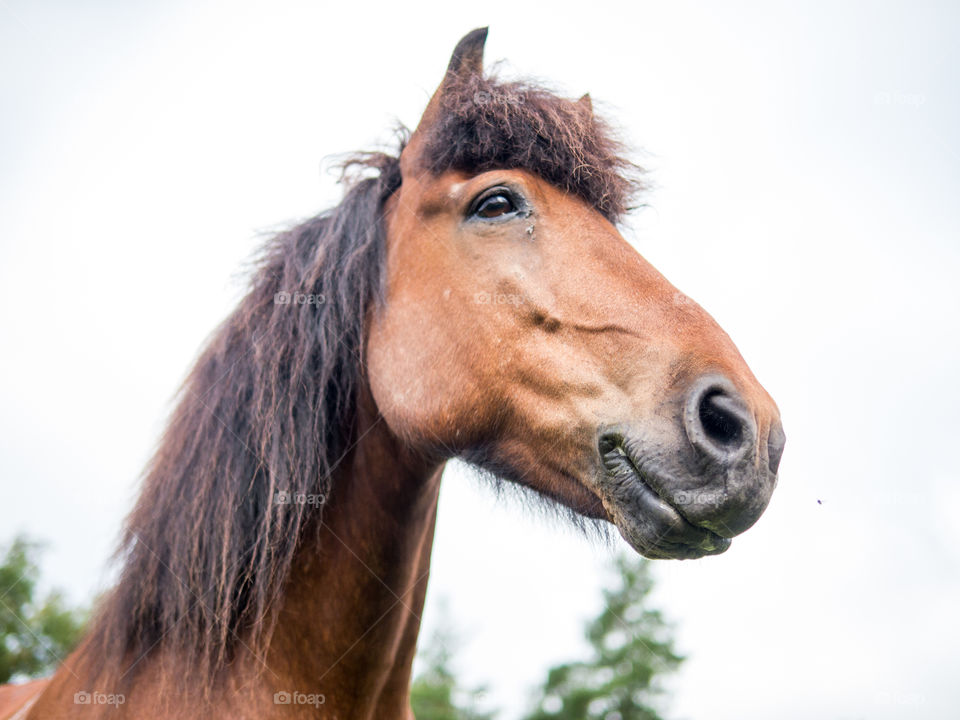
(470, 297)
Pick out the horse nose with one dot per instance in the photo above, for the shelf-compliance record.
(735, 478)
(719, 423)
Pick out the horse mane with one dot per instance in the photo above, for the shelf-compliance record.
(269, 407)
(260, 422)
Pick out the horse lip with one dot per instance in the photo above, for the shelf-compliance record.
(655, 487)
(623, 455)
(616, 453)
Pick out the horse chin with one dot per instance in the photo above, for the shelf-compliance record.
(652, 526)
(664, 538)
(618, 494)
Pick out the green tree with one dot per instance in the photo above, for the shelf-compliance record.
(631, 649)
(34, 634)
(435, 693)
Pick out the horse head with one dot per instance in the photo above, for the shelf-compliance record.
(521, 332)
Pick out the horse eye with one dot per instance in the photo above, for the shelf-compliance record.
(495, 206)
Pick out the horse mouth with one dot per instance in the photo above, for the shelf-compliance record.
(637, 502)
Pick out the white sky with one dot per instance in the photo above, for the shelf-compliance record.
(806, 157)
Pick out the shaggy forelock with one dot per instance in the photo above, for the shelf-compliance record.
(485, 124)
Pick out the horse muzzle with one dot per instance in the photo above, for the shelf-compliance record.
(687, 494)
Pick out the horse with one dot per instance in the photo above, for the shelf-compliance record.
(470, 297)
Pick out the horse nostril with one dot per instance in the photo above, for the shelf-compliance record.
(719, 419)
(718, 422)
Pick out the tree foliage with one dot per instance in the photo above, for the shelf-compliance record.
(631, 650)
(35, 635)
(436, 694)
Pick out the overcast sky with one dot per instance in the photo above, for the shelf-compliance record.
(807, 166)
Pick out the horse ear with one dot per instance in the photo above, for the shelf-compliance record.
(466, 62)
(467, 58)
(586, 103)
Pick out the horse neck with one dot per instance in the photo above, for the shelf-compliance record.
(348, 622)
